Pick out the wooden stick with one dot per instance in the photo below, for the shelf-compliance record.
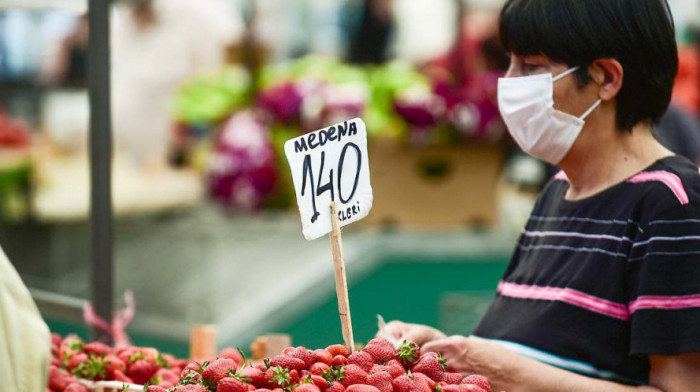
(341, 283)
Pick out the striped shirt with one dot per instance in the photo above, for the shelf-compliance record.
(596, 285)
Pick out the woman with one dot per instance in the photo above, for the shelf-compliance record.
(603, 290)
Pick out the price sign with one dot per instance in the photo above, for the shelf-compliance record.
(331, 165)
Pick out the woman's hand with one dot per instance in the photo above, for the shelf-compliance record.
(416, 333)
(473, 355)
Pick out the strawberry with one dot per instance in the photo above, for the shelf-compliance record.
(323, 356)
(353, 374)
(306, 388)
(278, 390)
(395, 368)
(141, 371)
(294, 376)
(217, 370)
(319, 368)
(452, 378)
(97, 349)
(303, 354)
(319, 381)
(381, 381)
(407, 383)
(94, 368)
(380, 349)
(251, 388)
(167, 377)
(444, 387)
(336, 387)
(57, 379)
(408, 353)
(75, 387)
(76, 360)
(281, 376)
(361, 359)
(478, 380)
(231, 353)
(339, 360)
(112, 364)
(156, 388)
(420, 377)
(288, 362)
(431, 365)
(361, 388)
(118, 375)
(264, 390)
(338, 349)
(256, 376)
(231, 384)
(191, 388)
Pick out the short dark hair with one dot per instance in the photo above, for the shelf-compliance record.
(638, 33)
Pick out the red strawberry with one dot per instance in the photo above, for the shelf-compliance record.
(395, 368)
(112, 364)
(278, 390)
(191, 388)
(167, 377)
(478, 380)
(338, 349)
(382, 381)
(353, 374)
(336, 387)
(408, 353)
(420, 377)
(218, 369)
(303, 354)
(263, 390)
(361, 388)
(444, 387)
(97, 349)
(380, 349)
(323, 356)
(231, 353)
(76, 360)
(251, 388)
(294, 376)
(256, 376)
(452, 378)
(318, 368)
(361, 359)
(282, 377)
(431, 365)
(231, 384)
(57, 379)
(339, 360)
(141, 371)
(406, 383)
(288, 362)
(155, 388)
(75, 387)
(319, 381)
(306, 388)
(118, 375)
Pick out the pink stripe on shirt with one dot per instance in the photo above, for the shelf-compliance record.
(570, 296)
(669, 179)
(665, 302)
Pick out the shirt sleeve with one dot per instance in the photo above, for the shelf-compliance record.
(664, 283)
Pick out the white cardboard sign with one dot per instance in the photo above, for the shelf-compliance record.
(328, 165)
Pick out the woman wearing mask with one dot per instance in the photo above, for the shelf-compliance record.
(603, 290)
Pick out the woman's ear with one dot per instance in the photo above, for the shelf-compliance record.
(608, 74)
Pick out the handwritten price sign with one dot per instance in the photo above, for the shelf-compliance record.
(331, 165)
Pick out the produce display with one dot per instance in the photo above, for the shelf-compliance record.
(15, 166)
(378, 367)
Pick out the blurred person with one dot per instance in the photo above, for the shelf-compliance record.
(157, 45)
(67, 63)
(369, 39)
(602, 291)
(25, 342)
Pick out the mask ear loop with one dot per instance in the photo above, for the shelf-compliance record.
(591, 109)
(565, 73)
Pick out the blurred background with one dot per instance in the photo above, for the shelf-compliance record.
(203, 95)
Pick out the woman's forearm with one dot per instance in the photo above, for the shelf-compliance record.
(534, 376)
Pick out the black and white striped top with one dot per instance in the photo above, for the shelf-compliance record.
(596, 285)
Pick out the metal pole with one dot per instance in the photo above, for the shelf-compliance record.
(100, 162)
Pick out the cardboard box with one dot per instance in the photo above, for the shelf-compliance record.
(434, 187)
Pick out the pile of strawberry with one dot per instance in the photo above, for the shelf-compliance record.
(379, 367)
(72, 359)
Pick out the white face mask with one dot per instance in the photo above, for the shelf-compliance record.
(527, 106)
